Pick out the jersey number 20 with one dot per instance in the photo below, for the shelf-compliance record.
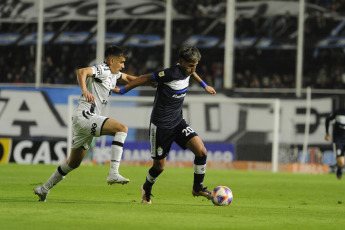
(188, 131)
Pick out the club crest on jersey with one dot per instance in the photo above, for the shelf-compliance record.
(161, 74)
(159, 151)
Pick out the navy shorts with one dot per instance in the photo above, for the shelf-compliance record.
(161, 139)
(339, 148)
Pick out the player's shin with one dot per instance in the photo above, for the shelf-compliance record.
(151, 178)
(57, 176)
(146, 189)
(116, 152)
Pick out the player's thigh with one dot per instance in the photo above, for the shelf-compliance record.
(340, 161)
(76, 157)
(196, 145)
(112, 126)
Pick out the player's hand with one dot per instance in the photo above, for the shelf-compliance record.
(210, 90)
(327, 137)
(89, 96)
(116, 90)
(153, 84)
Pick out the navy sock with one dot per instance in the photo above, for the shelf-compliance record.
(199, 172)
(151, 178)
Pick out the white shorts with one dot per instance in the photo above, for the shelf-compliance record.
(86, 126)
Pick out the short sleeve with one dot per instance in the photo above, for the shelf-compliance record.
(162, 76)
(118, 76)
(97, 70)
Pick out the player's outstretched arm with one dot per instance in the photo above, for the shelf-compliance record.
(208, 89)
(126, 78)
(141, 80)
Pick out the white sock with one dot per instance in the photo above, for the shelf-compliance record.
(57, 176)
(116, 151)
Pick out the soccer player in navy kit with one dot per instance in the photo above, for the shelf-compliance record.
(338, 137)
(167, 124)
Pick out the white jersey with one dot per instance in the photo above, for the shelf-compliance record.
(100, 85)
(87, 118)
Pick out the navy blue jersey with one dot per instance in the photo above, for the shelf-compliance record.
(172, 87)
(339, 125)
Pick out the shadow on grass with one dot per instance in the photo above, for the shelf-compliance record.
(95, 202)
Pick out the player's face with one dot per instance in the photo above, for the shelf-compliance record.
(116, 64)
(188, 67)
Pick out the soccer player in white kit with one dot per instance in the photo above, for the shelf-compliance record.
(96, 83)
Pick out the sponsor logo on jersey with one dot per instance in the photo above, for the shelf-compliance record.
(161, 74)
(99, 70)
(179, 95)
(93, 129)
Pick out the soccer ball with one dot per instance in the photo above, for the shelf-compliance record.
(222, 196)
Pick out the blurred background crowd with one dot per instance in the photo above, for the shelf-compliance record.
(254, 67)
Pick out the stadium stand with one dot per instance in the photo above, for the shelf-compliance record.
(257, 65)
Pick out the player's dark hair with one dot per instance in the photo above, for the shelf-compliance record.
(189, 54)
(114, 51)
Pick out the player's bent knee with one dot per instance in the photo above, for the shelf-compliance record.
(201, 152)
(122, 128)
(159, 167)
(73, 165)
(204, 152)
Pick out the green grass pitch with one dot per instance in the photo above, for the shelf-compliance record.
(83, 200)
